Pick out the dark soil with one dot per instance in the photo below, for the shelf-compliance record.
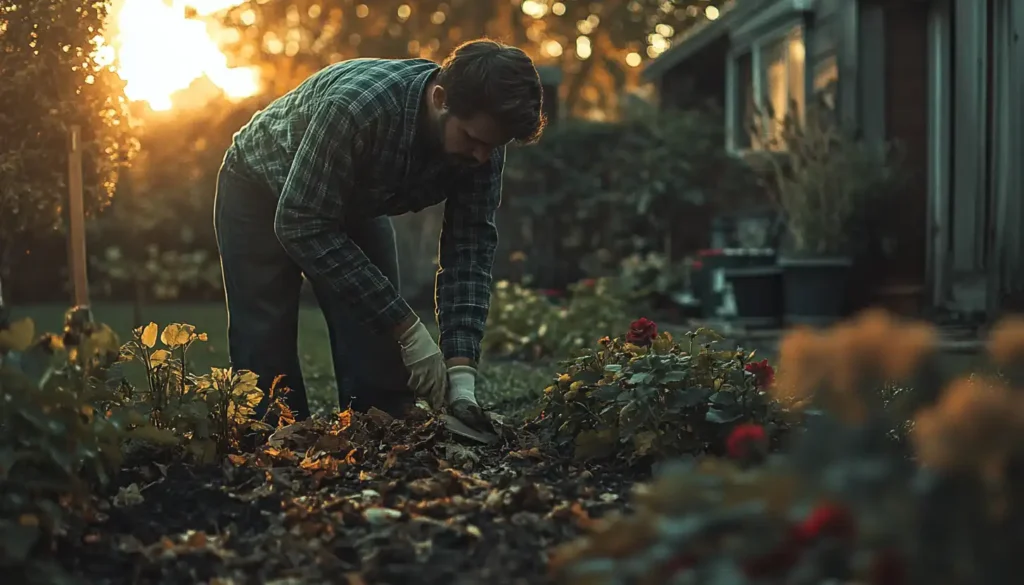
(356, 499)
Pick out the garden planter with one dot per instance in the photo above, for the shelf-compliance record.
(814, 289)
(757, 294)
(716, 300)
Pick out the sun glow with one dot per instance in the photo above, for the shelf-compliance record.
(163, 46)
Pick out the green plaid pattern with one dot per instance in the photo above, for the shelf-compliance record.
(341, 147)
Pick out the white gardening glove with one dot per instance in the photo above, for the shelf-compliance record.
(428, 375)
(462, 397)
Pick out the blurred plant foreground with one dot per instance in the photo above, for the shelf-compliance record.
(632, 448)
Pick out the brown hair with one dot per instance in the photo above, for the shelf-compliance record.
(483, 76)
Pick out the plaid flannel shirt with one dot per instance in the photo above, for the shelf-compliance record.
(341, 147)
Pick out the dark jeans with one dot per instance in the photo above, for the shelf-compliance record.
(262, 286)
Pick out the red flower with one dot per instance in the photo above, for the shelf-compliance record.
(642, 331)
(828, 520)
(763, 373)
(746, 441)
(589, 282)
(697, 265)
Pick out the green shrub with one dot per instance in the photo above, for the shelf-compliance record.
(646, 395)
(71, 413)
(524, 324)
(59, 436)
(842, 503)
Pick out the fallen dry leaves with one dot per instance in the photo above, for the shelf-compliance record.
(356, 499)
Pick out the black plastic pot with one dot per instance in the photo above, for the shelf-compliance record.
(757, 293)
(711, 279)
(814, 289)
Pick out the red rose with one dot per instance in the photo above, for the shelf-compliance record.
(642, 331)
(745, 441)
(763, 373)
(829, 520)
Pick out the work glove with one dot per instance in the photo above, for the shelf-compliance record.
(428, 375)
(462, 398)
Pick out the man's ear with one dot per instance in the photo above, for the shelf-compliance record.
(439, 97)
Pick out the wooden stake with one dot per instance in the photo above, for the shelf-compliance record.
(76, 221)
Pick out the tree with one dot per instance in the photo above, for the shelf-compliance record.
(55, 74)
(599, 45)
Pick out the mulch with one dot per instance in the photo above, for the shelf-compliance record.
(353, 499)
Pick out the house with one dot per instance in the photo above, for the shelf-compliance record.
(942, 77)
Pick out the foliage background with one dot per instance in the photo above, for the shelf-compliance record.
(571, 209)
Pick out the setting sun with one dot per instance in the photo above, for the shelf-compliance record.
(161, 50)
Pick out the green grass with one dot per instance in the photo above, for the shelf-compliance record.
(511, 386)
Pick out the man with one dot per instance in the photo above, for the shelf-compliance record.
(308, 187)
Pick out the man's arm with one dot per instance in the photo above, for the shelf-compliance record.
(469, 237)
(309, 222)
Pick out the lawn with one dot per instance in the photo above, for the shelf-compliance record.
(509, 386)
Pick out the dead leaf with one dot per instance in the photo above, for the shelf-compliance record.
(127, 496)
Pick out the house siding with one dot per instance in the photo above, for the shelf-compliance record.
(906, 122)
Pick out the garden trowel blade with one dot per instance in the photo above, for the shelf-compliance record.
(457, 427)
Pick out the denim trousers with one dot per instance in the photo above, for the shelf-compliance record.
(262, 287)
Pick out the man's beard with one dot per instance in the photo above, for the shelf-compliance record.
(438, 140)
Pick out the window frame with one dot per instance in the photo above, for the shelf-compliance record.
(736, 116)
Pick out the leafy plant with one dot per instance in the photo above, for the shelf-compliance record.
(58, 440)
(525, 324)
(55, 76)
(842, 502)
(647, 395)
(822, 178)
(207, 414)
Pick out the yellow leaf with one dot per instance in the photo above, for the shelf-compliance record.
(159, 356)
(148, 336)
(151, 434)
(18, 336)
(169, 334)
(244, 382)
(201, 337)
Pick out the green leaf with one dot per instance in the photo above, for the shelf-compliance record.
(688, 398)
(719, 416)
(674, 376)
(724, 398)
(641, 378)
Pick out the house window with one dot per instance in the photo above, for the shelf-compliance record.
(770, 86)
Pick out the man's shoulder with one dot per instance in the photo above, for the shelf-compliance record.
(368, 84)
